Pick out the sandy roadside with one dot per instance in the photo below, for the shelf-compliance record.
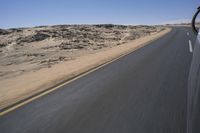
(23, 86)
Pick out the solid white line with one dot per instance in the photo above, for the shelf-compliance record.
(190, 46)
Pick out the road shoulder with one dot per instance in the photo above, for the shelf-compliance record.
(39, 83)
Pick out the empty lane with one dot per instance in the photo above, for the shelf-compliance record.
(143, 92)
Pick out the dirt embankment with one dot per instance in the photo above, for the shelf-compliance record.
(28, 49)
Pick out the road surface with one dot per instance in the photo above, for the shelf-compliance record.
(143, 92)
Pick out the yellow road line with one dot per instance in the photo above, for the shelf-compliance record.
(59, 86)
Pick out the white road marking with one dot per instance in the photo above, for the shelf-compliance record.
(188, 33)
(190, 46)
(198, 38)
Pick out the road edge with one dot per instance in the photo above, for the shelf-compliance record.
(58, 85)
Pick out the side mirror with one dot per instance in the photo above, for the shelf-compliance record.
(194, 21)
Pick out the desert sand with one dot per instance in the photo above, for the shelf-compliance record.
(35, 59)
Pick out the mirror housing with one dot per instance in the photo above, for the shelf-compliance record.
(194, 21)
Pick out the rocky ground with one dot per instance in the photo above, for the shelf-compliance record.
(29, 49)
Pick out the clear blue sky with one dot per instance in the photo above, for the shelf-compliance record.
(26, 13)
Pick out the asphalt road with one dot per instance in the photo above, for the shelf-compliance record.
(143, 92)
